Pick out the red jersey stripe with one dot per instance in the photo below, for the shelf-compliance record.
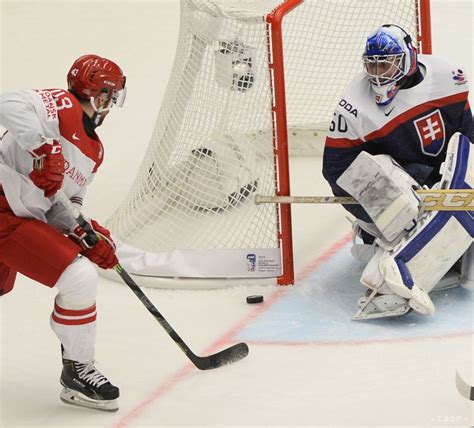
(342, 142)
(415, 111)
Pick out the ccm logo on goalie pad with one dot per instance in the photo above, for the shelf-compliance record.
(430, 129)
(444, 201)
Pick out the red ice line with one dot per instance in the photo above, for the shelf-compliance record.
(168, 384)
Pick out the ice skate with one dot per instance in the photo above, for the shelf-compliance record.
(374, 305)
(85, 386)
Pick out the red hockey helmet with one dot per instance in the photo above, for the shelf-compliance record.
(92, 75)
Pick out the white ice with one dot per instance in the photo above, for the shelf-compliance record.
(308, 363)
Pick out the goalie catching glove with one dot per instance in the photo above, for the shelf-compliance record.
(103, 252)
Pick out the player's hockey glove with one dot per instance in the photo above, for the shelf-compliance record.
(48, 168)
(103, 252)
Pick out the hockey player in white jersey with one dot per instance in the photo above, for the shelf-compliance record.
(403, 124)
(49, 144)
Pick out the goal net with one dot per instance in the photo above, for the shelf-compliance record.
(221, 133)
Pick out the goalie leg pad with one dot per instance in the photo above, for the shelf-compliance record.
(366, 232)
(385, 191)
(467, 270)
(419, 262)
(416, 264)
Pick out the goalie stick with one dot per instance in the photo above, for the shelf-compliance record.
(464, 389)
(431, 200)
(226, 356)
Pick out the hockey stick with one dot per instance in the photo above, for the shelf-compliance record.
(431, 200)
(464, 389)
(226, 356)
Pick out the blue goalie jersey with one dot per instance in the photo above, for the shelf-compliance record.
(414, 129)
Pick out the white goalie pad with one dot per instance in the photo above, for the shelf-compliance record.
(422, 258)
(385, 191)
(467, 272)
(361, 251)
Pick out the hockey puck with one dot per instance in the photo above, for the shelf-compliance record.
(256, 298)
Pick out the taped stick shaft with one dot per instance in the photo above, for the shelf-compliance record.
(431, 200)
(259, 199)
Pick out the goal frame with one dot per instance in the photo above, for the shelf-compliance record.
(280, 130)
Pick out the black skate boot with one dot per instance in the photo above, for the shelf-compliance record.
(85, 386)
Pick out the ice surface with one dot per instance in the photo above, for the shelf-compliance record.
(308, 363)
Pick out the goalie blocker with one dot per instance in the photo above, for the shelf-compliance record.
(415, 249)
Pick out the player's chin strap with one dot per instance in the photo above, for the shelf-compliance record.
(99, 110)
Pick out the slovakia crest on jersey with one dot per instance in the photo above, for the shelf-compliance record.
(430, 129)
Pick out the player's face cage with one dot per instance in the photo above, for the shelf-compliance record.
(384, 69)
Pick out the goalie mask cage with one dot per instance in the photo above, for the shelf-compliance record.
(245, 73)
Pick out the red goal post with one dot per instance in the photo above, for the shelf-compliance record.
(245, 74)
(277, 67)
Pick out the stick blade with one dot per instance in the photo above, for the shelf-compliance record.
(463, 388)
(226, 356)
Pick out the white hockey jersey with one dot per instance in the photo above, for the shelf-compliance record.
(30, 118)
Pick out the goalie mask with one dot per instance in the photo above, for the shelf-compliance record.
(91, 77)
(388, 58)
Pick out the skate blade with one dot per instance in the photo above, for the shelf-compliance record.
(450, 280)
(75, 398)
(361, 315)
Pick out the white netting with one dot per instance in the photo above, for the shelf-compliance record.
(212, 147)
(323, 42)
